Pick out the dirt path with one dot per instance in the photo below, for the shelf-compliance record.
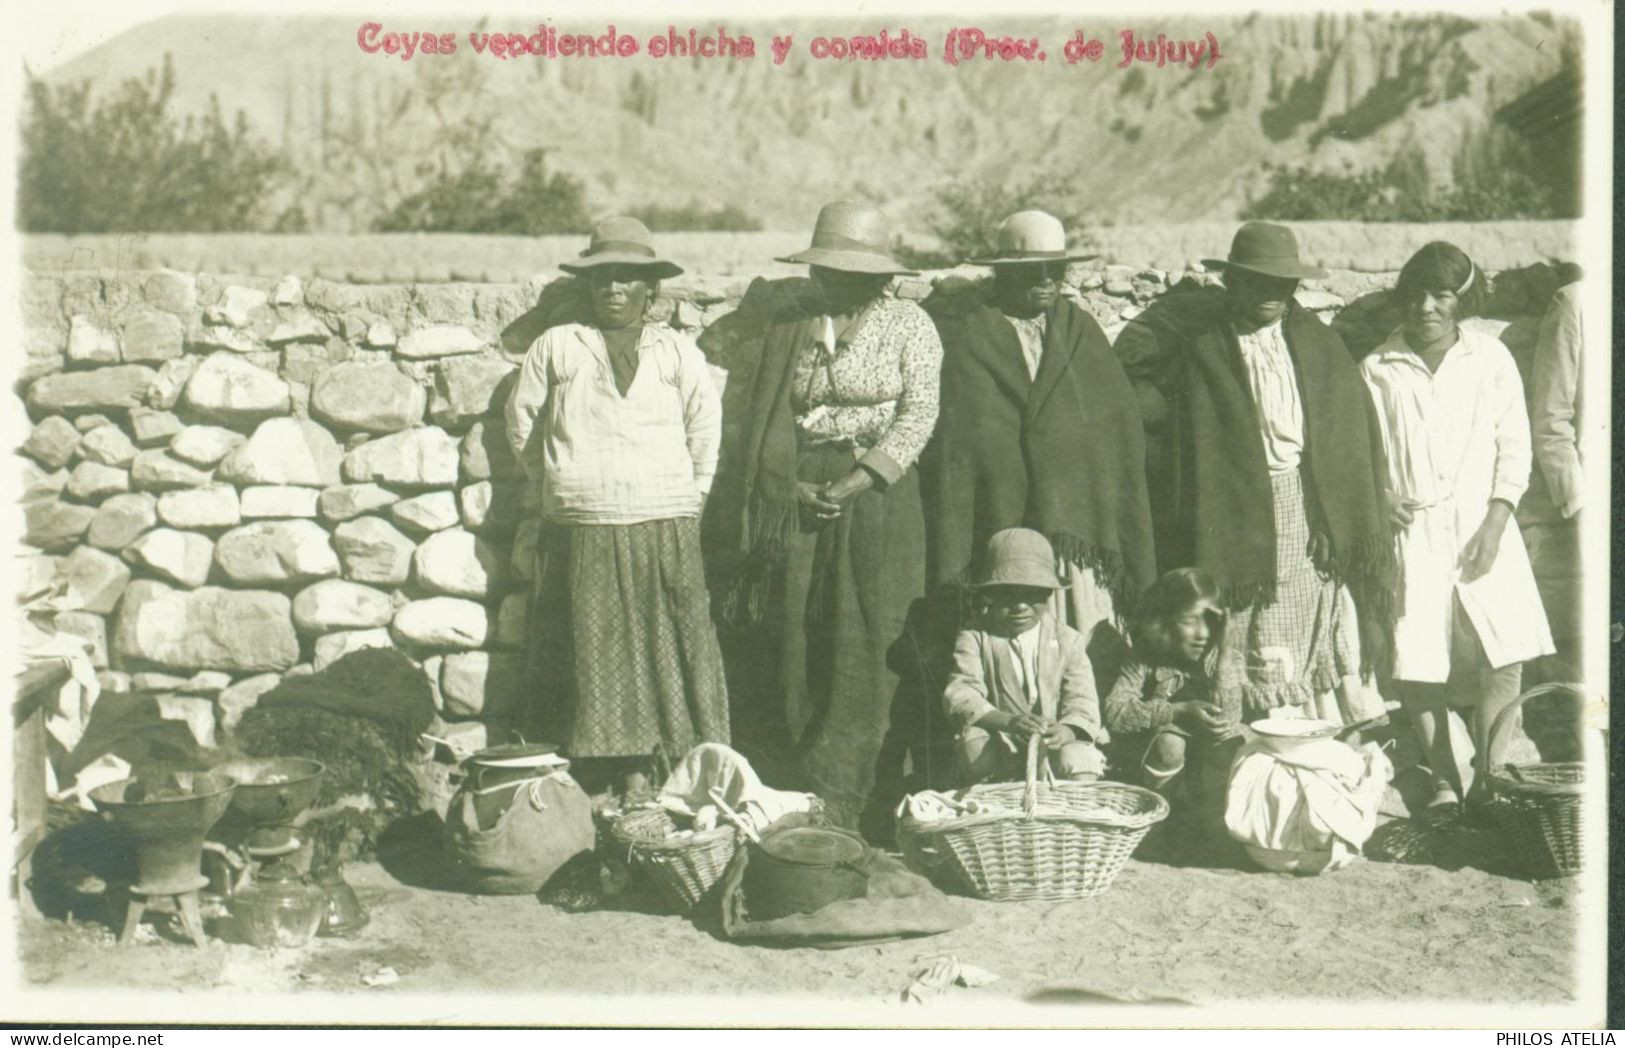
(1373, 931)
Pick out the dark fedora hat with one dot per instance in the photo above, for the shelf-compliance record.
(622, 241)
(1266, 248)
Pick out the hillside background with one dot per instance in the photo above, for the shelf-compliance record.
(361, 132)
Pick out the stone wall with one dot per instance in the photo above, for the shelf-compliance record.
(239, 479)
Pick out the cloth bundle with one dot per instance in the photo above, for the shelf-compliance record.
(548, 822)
(713, 766)
(1306, 809)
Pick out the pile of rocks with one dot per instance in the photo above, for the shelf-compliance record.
(235, 480)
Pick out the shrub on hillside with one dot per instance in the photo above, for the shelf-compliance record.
(478, 198)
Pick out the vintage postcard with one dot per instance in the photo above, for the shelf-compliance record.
(724, 514)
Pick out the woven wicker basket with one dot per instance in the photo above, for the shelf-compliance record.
(683, 869)
(1068, 840)
(1538, 805)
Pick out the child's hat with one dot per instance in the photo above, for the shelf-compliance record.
(1020, 557)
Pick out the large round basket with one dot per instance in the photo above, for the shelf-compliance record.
(1538, 805)
(683, 868)
(1055, 840)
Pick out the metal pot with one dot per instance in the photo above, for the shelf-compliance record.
(803, 869)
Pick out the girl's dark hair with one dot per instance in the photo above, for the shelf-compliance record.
(1439, 266)
(1168, 597)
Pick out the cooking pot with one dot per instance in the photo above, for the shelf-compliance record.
(802, 869)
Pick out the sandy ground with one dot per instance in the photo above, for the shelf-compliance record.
(1464, 928)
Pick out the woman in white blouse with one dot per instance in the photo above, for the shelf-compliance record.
(1451, 411)
(619, 423)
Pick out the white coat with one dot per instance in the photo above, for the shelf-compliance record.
(1455, 440)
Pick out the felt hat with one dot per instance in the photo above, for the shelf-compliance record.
(1030, 236)
(1020, 557)
(853, 238)
(1266, 248)
(622, 241)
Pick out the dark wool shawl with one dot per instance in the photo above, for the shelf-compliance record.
(1062, 453)
(1211, 485)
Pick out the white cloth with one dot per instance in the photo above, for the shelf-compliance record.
(1274, 385)
(1455, 440)
(1307, 809)
(1557, 401)
(1030, 333)
(711, 765)
(604, 458)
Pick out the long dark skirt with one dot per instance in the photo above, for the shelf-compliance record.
(622, 653)
(848, 587)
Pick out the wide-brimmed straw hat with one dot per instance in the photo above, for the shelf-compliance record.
(1020, 557)
(622, 241)
(1266, 248)
(1030, 236)
(853, 238)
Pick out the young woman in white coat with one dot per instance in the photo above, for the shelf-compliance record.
(1455, 430)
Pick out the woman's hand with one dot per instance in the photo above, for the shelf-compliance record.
(1401, 510)
(855, 482)
(1479, 555)
(1201, 718)
(814, 501)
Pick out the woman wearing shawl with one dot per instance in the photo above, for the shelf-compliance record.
(1040, 430)
(619, 423)
(843, 401)
(1266, 472)
(1457, 441)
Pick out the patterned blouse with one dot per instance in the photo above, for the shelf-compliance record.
(876, 391)
(1143, 697)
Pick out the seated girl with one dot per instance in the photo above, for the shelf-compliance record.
(1019, 673)
(1160, 712)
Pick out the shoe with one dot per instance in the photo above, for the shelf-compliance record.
(1443, 810)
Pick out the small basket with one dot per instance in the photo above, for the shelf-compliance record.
(1538, 805)
(1068, 841)
(683, 869)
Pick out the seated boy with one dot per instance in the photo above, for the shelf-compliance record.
(1020, 673)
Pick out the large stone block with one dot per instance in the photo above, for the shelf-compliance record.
(182, 557)
(485, 455)
(107, 445)
(334, 646)
(375, 398)
(481, 684)
(103, 389)
(95, 579)
(278, 500)
(439, 340)
(150, 336)
(205, 446)
(171, 291)
(469, 388)
(92, 481)
(90, 343)
(414, 458)
(334, 604)
(276, 551)
(432, 511)
(238, 631)
(120, 519)
(155, 470)
(51, 525)
(173, 375)
(297, 326)
(92, 628)
(442, 623)
(238, 306)
(152, 428)
(346, 501)
(38, 484)
(373, 551)
(53, 442)
(460, 564)
(229, 390)
(285, 451)
(211, 506)
(239, 698)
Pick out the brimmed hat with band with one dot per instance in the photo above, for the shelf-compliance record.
(1266, 248)
(622, 241)
(1030, 236)
(1020, 557)
(853, 238)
